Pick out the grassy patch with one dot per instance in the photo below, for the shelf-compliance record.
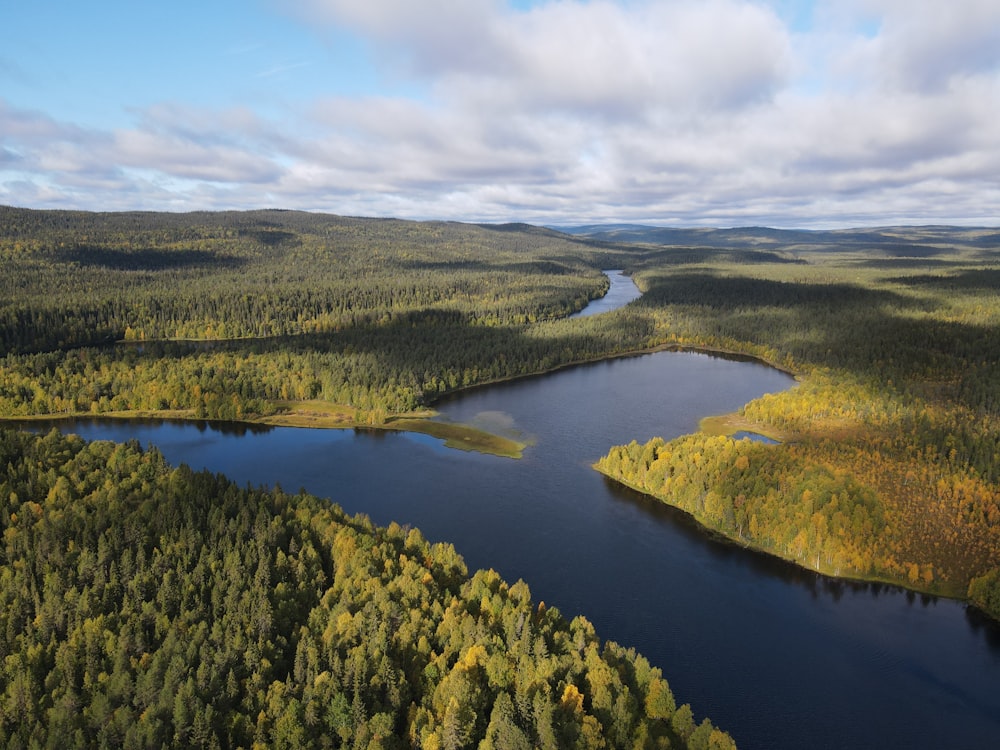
(322, 414)
(318, 414)
(462, 437)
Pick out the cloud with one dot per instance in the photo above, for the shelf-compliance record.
(926, 46)
(433, 36)
(597, 57)
(165, 144)
(32, 126)
(173, 155)
(711, 112)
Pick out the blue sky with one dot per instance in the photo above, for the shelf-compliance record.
(684, 112)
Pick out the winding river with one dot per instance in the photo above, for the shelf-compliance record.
(621, 291)
(780, 657)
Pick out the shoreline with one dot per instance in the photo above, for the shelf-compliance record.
(318, 416)
(722, 536)
(728, 354)
(326, 415)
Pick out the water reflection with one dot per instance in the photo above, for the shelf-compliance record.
(986, 627)
(726, 550)
(732, 552)
(754, 436)
(230, 429)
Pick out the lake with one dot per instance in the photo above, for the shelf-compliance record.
(778, 656)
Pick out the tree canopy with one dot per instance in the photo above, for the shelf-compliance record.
(143, 605)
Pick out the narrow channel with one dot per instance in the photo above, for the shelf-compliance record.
(621, 291)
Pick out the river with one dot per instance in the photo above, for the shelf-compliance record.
(621, 291)
(778, 656)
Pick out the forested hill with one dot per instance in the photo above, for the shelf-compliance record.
(888, 461)
(377, 314)
(77, 278)
(148, 606)
(892, 242)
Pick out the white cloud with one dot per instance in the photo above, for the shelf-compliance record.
(176, 156)
(673, 111)
(926, 45)
(595, 57)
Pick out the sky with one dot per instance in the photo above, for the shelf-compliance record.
(784, 113)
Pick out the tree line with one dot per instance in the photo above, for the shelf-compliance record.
(394, 367)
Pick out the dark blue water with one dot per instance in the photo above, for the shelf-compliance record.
(779, 657)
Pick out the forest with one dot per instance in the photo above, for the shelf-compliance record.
(151, 606)
(886, 464)
(264, 307)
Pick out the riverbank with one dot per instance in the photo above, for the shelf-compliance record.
(316, 414)
(721, 535)
(322, 415)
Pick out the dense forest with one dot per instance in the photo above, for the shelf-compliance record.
(254, 308)
(73, 279)
(147, 606)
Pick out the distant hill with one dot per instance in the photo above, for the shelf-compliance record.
(911, 241)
